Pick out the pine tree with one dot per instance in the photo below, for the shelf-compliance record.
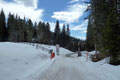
(12, 33)
(48, 33)
(30, 30)
(21, 30)
(112, 34)
(57, 33)
(68, 37)
(39, 32)
(35, 32)
(90, 35)
(105, 28)
(63, 37)
(3, 26)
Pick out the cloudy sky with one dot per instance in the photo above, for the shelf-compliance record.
(66, 11)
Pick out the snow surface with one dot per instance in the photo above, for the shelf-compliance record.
(20, 61)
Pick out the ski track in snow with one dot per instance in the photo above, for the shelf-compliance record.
(73, 69)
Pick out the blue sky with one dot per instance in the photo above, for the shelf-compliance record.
(66, 11)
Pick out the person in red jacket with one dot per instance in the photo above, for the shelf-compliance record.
(52, 54)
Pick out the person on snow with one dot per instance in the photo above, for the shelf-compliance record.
(52, 54)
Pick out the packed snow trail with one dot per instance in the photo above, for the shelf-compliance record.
(73, 69)
(60, 70)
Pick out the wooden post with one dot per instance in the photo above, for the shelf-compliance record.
(87, 56)
(95, 49)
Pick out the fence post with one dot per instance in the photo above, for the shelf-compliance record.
(87, 56)
(36, 46)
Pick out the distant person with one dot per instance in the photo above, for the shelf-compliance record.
(52, 54)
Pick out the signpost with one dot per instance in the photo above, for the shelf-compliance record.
(57, 49)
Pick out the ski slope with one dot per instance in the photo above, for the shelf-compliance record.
(19, 61)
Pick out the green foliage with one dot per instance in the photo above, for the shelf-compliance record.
(105, 28)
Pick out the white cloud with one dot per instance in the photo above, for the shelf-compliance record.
(28, 3)
(23, 10)
(72, 1)
(81, 27)
(71, 14)
(84, 31)
(81, 37)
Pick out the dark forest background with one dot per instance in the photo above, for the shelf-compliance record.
(15, 29)
(103, 32)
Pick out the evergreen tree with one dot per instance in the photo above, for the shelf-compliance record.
(43, 32)
(48, 33)
(39, 32)
(3, 35)
(57, 33)
(90, 35)
(30, 30)
(111, 34)
(63, 37)
(105, 28)
(68, 37)
(68, 30)
(12, 33)
(35, 32)
(21, 30)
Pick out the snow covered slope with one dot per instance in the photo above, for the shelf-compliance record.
(20, 61)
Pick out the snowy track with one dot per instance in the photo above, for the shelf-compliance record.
(75, 69)
(25, 62)
(60, 69)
